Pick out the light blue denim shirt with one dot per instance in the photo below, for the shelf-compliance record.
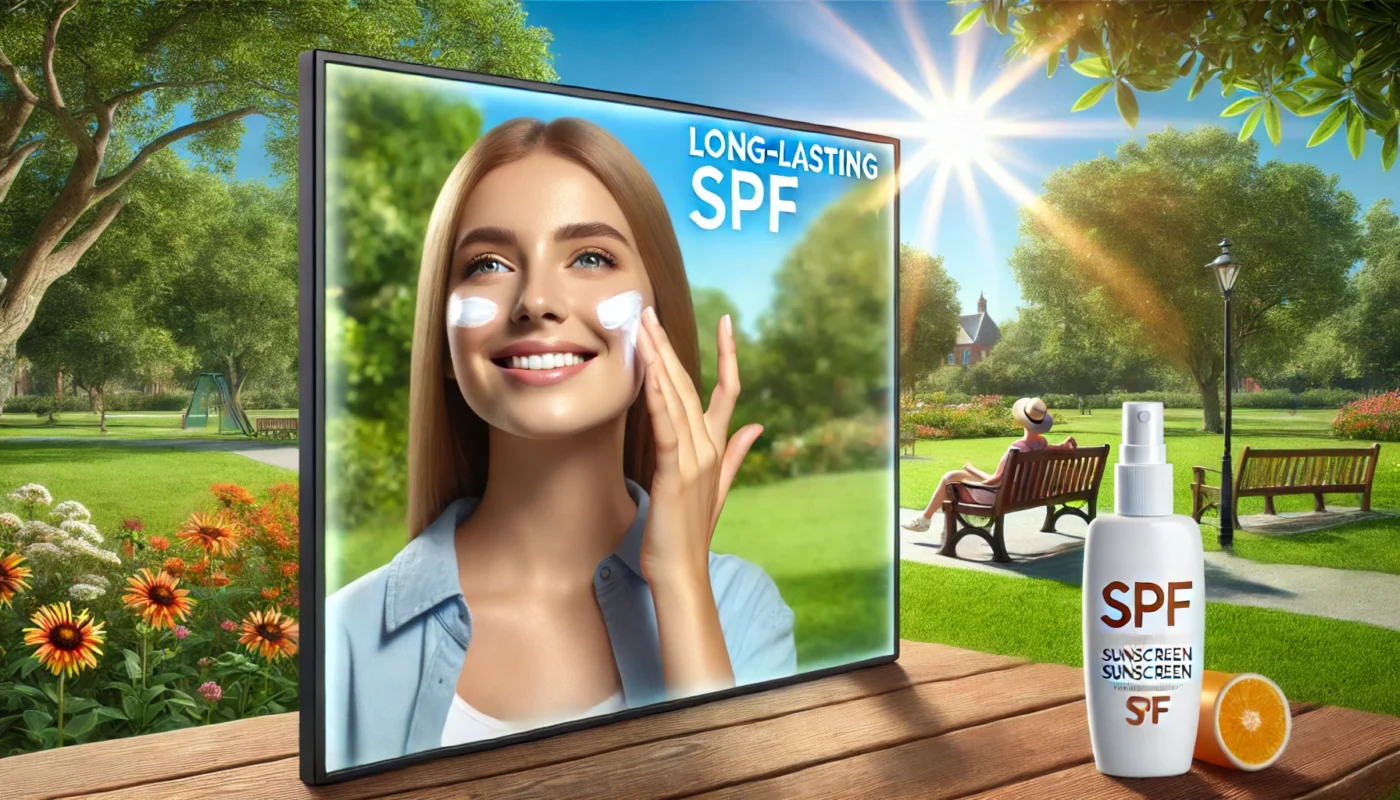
(396, 638)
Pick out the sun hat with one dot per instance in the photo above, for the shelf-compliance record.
(1030, 413)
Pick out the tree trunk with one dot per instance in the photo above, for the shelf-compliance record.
(58, 383)
(9, 357)
(1210, 406)
(101, 412)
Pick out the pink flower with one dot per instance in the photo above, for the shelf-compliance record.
(205, 663)
(229, 625)
(211, 691)
(181, 631)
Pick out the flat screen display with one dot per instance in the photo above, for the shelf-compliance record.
(599, 395)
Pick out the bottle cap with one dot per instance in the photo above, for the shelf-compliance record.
(1142, 476)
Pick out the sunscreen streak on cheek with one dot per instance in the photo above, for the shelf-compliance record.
(623, 313)
(470, 312)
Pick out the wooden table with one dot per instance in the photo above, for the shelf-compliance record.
(943, 722)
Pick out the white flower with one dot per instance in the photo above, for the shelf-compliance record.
(93, 580)
(84, 529)
(9, 523)
(36, 531)
(41, 550)
(71, 510)
(85, 591)
(81, 546)
(33, 494)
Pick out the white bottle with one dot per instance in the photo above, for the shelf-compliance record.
(1144, 614)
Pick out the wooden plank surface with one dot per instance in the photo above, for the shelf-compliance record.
(276, 776)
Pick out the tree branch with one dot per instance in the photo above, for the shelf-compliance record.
(109, 185)
(21, 88)
(65, 258)
(51, 45)
(122, 97)
(10, 165)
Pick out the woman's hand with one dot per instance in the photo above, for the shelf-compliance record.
(696, 461)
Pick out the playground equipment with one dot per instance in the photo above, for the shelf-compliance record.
(212, 390)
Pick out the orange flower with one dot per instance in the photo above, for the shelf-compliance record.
(270, 593)
(156, 600)
(289, 569)
(270, 634)
(234, 567)
(219, 579)
(198, 567)
(160, 543)
(12, 576)
(175, 566)
(231, 494)
(64, 643)
(215, 534)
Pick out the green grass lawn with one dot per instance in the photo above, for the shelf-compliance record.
(1370, 545)
(122, 425)
(161, 486)
(826, 540)
(1312, 659)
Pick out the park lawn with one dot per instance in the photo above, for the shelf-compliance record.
(826, 540)
(121, 425)
(1371, 545)
(161, 486)
(1312, 659)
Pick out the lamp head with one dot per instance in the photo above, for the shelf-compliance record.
(1226, 268)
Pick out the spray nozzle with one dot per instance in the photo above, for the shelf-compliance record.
(1143, 436)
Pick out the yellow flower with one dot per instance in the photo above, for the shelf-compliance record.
(12, 576)
(217, 535)
(64, 643)
(157, 600)
(270, 634)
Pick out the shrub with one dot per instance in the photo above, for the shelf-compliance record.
(1270, 398)
(1374, 418)
(41, 403)
(1327, 398)
(268, 398)
(138, 401)
(837, 445)
(981, 417)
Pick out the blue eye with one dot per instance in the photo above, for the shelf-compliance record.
(486, 265)
(593, 259)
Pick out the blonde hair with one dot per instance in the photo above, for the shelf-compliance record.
(447, 441)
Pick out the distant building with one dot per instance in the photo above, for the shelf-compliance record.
(977, 335)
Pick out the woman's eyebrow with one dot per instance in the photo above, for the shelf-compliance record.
(586, 230)
(490, 235)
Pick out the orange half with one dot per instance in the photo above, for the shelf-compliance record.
(1245, 721)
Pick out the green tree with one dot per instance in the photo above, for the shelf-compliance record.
(928, 315)
(234, 301)
(825, 341)
(1334, 58)
(1373, 322)
(398, 145)
(1141, 225)
(98, 85)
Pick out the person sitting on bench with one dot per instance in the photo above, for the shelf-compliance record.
(1030, 413)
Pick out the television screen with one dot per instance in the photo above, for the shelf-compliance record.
(600, 399)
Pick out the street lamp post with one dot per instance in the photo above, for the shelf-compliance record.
(1226, 270)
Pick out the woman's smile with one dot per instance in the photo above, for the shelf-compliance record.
(542, 362)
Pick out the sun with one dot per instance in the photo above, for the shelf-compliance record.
(958, 134)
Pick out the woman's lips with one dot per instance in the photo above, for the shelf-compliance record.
(541, 375)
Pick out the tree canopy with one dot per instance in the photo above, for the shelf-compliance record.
(1334, 58)
(928, 314)
(1141, 226)
(1372, 326)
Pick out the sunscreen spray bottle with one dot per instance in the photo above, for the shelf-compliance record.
(1144, 614)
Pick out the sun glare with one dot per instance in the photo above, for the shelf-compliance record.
(958, 135)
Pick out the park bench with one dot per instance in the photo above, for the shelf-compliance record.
(1044, 478)
(277, 427)
(1269, 473)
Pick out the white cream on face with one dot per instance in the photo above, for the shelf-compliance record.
(470, 312)
(623, 312)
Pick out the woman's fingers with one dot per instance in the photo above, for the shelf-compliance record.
(726, 391)
(660, 379)
(680, 382)
(734, 454)
(663, 428)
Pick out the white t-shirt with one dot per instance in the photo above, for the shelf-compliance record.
(466, 724)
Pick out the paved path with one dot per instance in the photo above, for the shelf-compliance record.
(278, 454)
(1319, 591)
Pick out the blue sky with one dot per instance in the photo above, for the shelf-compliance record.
(788, 59)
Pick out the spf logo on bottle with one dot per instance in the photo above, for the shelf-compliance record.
(1147, 597)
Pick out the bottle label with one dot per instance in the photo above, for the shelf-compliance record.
(1148, 635)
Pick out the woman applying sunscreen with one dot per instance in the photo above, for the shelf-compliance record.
(565, 477)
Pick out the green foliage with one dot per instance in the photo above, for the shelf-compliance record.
(1138, 228)
(928, 314)
(1372, 323)
(1335, 57)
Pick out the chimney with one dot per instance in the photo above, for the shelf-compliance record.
(981, 303)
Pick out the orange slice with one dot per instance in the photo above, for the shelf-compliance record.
(1245, 721)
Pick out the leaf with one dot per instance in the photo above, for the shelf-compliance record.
(1251, 122)
(1337, 14)
(999, 20)
(1052, 63)
(1240, 106)
(1328, 125)
(1185, 68)
(965, 24)
(1072, 51)
(1356, 133)
(1389, 146)
(80, 725)
(36, 720)
(1319, 83)
(1371, 103)
(1291, 100)
(109, 713)
(1317, 105)
(1127, 104)
(1091, 97)
(1273, 123)
(132, 708)
(29, 666)
(133, 664)
(1092, 67)
(1342, 43)
(1196, 87)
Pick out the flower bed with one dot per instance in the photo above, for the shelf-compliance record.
(107, 635)
(983, 416)
(1374, 418)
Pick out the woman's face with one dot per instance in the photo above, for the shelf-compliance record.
(545, 289)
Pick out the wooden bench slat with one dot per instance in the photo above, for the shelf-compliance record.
(919, 663)
(1330, 752)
